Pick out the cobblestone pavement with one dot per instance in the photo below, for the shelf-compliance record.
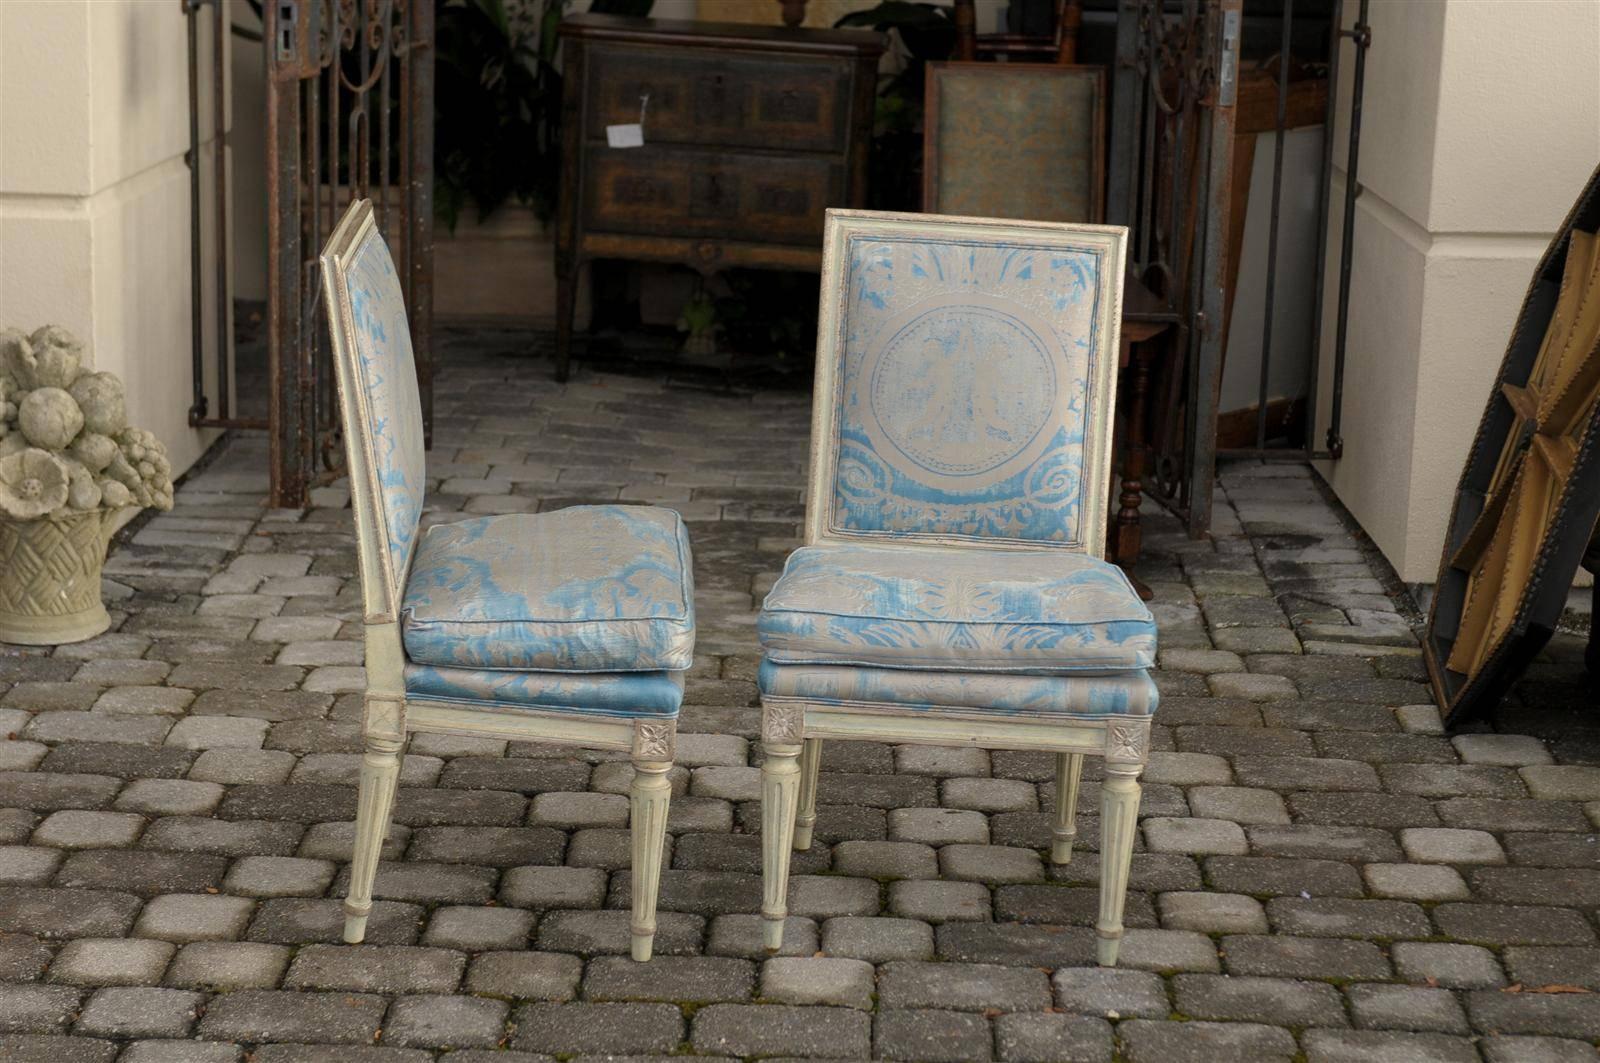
(1322, 874)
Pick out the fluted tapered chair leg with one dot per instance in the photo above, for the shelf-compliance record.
(782, 728)
(648, 797)
(1119, 822)
(806, 818)
(399, 773)
(1069, 769)
(380, 773)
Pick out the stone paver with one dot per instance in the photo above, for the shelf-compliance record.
(1321, 872)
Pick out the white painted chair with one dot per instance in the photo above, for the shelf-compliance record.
(569, 627)
(952, 589)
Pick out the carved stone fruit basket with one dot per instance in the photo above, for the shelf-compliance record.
(72, 472)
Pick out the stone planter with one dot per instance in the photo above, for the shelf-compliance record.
(50, 576)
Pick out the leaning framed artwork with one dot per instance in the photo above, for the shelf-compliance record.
(1014, 140)
(1527, 501)
(966, 374)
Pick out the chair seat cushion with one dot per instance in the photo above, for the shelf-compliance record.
(1041, 612)
(1119, 694)
(593, 694)
(584, 589)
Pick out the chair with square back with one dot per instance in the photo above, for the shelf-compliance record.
(572, 627)
(952, 589)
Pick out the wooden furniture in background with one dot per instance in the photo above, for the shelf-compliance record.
(750, 133)
(1014, 140)
(1062, 47)
(1145, 324)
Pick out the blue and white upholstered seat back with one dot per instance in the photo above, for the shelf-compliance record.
(381, 406)
(965, 378)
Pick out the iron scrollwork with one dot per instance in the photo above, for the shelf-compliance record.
(1173, 129)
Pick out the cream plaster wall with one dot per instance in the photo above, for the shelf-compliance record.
(1481, 121)
(94, 193)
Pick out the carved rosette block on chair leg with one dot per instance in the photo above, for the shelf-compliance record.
(648, 799)
(782, 731)
(1069, 770)
(384, 730)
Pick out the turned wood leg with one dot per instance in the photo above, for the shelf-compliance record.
(782, 730)
(1119, 821)
(566, 308)
(806, 818)
(1129, 533)
(965, 16)
(380, 772)
(1069, 769)
(648, 798)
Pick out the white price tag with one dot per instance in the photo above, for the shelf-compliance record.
(625, 136)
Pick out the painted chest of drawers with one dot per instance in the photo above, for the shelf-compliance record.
(749, 134)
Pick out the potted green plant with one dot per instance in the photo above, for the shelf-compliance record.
(72, 472)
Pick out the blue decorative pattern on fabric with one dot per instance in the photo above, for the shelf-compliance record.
(627, 694)
(1122, 694)
(388, 382)
(584, 589)
(965, 381)
(1031, 611)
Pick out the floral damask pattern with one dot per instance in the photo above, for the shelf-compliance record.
(1126, 694)
(583, 589)
(625, 694)
(966, 375)
(387, 378)
(1038, 611)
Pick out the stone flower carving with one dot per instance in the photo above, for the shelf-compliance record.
(32, 484)
(49, 418)
(8, 409)
(101, 398)
(50, 358)
(65, 442)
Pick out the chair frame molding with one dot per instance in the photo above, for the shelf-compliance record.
(389, 717)
(792, 729)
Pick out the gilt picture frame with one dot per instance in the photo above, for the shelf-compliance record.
(1046, 121)
(902, 298)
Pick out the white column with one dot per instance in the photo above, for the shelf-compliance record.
(1481, 122)
(94, 193)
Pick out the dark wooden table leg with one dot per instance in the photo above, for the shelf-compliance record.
(1129, 534)
(566, 307)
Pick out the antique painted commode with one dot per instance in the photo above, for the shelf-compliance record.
(952, 589)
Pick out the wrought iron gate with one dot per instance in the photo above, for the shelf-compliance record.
(349, 114)
(1172, 172)
(1174, 94)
